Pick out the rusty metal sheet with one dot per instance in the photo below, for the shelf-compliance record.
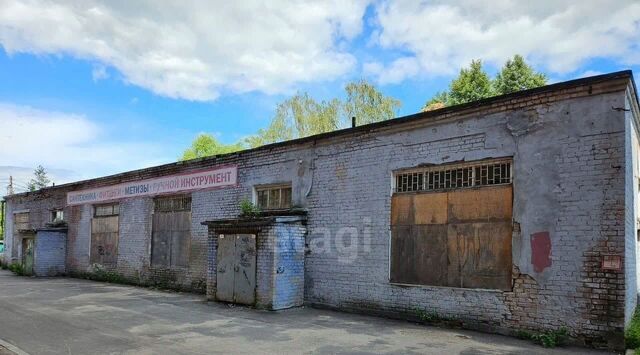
(419, 254)
(480, 255)
(104, 240)
(481, 205)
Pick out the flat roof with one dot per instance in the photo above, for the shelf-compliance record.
(427, 116)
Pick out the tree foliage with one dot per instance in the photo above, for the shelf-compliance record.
(40, 179)
(473, 83)
(302, 116)
(517, 75)
(296, 117)
(205, 145)
(367, 104)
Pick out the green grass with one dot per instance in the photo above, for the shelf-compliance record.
(17, 269)
(548, 339)
(632, 334)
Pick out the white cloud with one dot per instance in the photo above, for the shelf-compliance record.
(31, 137)
(443, 36)
(99, 72)
(192, 50)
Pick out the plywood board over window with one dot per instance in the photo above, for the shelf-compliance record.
(455, 237)
(171, 237)
(104, 234)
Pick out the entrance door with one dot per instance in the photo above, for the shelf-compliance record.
(236, 269)
(27, 256)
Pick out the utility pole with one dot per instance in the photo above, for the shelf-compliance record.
(10, 186)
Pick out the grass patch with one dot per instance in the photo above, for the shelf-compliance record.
(103, 276)
(632, 334)
(17, 269)
(548, 339)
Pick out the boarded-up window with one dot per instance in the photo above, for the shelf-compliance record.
(456, 238)
(21, 221)
(171, 232)
(104, 234)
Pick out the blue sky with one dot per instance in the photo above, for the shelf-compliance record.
(99, 87)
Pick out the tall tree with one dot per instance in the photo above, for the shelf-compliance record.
(40, 179)
(472, 84)
(367, 104)
(297, 117)
(517, 75)
(302, 116)
(205, 145)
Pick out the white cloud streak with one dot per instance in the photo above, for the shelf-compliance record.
(192, 50)
(559, 36)
(31, 137)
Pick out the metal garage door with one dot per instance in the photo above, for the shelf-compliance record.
(236, 268)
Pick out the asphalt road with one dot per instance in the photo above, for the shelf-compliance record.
(70, 316)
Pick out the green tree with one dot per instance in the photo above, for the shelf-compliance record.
(439, 100)
(205, 145)
(472, 84)
(297, 117)
(302, 116)
(366, 103)
(41, 179)
(517, 75)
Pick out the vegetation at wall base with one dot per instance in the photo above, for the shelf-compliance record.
(17, 269)
(548, 339)
(632, 334)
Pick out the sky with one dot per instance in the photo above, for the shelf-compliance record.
(91, 88)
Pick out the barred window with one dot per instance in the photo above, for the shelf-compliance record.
(172, 204)
(273, 197)
(112, 209)
(454, 176)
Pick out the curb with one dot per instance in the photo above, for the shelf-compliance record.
(12, 348)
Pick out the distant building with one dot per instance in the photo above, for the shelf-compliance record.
(518, 212)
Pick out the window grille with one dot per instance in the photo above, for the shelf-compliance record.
(173, 204)
(273, 197)
(454, 176)
(112, 209)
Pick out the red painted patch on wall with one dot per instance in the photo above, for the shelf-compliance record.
(540, 251)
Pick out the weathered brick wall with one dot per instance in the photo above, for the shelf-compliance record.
(632, 182)
(568, 149)
(39, 206)
(50, 253)
(568, 181)
(134, 242)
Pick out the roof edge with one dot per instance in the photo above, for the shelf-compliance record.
(623, 74)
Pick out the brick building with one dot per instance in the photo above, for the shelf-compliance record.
(514, 212)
